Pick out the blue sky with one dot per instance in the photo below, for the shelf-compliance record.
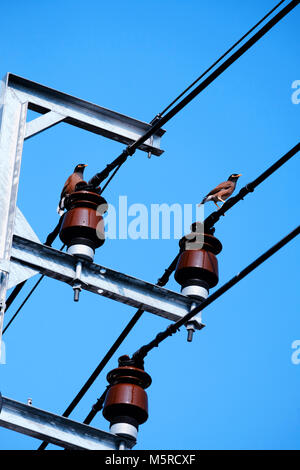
(235, 386)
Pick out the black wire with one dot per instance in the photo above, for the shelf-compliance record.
(23, 303)
(97, 371)
(161, 121)
(173, 328)
(210, 221)
(158, 122)
(103, 362)
(220, 58)
(52, 236)
(111, 177)
(164, 279)
(161, 282)
(216, 73)
(139, 355)
(16, 292)
(96, 407)
(50, 239)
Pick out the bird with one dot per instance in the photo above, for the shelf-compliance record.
(69, 186)
(223, 191)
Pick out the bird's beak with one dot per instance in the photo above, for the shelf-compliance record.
(84, 166)
(239, 175)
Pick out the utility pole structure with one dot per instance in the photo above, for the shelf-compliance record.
(22, 255)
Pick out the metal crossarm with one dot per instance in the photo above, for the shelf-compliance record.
(17, 95)
(63, 432)
(101, 280)
(56, 106)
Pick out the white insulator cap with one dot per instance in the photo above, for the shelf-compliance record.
(195, 291)
(125, 430)
(82, 251)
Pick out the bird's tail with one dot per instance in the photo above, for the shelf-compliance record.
(61, 206)
(59, 210)
(203, 201)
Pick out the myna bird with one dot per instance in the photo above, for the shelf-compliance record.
(223, 191)
(69, 186)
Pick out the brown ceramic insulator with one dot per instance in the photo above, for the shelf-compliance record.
(83, 221)
(126, 395)
(197, 241)
(199, 265)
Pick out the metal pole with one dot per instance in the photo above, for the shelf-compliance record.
(12, 129)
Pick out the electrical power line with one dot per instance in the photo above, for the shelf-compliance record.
(14, 294)
(161, 282)
(158, 122)
(23, 303)
(162, 120)
(99, 369)
(236, 55)
(50, 239)
(111, 177)
(250, 187)
(96, 408)
(220, 58)
(214, 217)
(139, 355)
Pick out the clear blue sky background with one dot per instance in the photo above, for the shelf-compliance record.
(235, 386)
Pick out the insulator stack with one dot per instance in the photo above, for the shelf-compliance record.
(82, 229)
(197, 267)
(126, 402)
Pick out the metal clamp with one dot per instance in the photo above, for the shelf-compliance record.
(194, 324)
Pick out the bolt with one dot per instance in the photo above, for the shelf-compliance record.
(191, 330)
(77, 290)
(190, 335)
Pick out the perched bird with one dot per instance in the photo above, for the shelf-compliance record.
(69, 186)
(223, 191)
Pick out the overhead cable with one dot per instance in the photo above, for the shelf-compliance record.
(14, 294)
(139, 355)
(214, 217)
(158, 122)
(210, 221)
(220, 58)
(161, 282)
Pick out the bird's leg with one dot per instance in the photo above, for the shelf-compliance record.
(217, 205)
(220, 199)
